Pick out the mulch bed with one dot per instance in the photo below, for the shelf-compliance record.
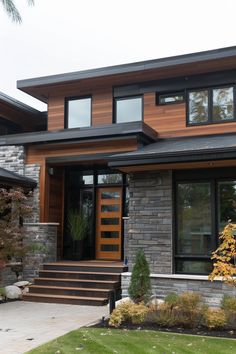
(199, 331)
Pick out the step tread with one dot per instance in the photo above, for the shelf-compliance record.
(74, 272)
(67, 288)
(79, 280)
(88, 265)
(64, 297)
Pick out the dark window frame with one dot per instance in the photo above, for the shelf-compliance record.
(122, 98)
(210, 104)
(170, 93)
(205, 176)
(66, 111)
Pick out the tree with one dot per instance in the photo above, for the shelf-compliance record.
(140, 284)
(224, 256)
(12, 11)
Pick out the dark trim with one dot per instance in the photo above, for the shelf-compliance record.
(81, 158)
(74, 98)
(185, 59)
(10, 178)
(159, 95)
(19, 105)
(97, 132)
(123, 99)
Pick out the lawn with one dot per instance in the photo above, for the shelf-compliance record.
(104, 341)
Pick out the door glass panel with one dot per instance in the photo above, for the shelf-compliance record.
(223, 107)
(110, 178)
(110, 195)
(110, 248)
(227, 203)
(194, 219)
(110, 208)
(198, 106)
(109, 221)
(110, 234)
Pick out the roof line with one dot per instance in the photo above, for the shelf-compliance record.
(128, 68)
(18, 104)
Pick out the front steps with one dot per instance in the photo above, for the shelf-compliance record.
(77, 283)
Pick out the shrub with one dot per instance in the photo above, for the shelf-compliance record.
(190, 308)
(140, 284)
(172, 299)
(228, 303)
(128, 312)
(166, 316)
(215, 318)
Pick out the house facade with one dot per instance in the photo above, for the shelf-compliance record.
(147, 153)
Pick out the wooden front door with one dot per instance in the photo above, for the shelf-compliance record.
(108, 223)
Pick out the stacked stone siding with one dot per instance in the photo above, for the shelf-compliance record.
(12, 158)
(33, 171)
(150, 220)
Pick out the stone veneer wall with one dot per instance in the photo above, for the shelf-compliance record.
(43, 237)
(150, 220)
(12, 158)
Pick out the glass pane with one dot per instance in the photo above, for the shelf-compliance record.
(193, 266)
(110, 208)
(110, 234)
(128, 110)
(79, 113)
(110, 221)
(87, 179)
(172, 98)
(227, 203)
(198, 106)
(110, 195)
(194, 219)
(111, 248)
(110, 178)
(223, 106)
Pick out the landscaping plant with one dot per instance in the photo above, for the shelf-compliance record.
(140, 284)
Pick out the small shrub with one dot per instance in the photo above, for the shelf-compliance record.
(128, 312)
(140, 284)
(172, 299)
(228, 303)
(166, 316)
(190, 309)
(215, 318)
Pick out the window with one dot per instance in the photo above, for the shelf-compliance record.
(128, 109)
(211, 105)
(170, 98)
(203, 208)
(78, 112)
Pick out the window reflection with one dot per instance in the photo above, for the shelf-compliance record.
(128, 110)
(227, 203)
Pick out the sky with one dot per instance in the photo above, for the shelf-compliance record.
(64, 36)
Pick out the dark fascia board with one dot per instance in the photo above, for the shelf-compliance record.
(161, 63)
(14, 179)
(98, 132)
(19, 105)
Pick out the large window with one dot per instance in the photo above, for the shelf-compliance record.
(128, 109)
(78, 112)
(211, 105)
(203, 208)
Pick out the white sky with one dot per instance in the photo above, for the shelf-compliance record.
(62, 36)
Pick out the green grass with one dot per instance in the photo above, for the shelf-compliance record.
(104, 341)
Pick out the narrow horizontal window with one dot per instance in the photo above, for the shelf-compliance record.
(128, 109)
(110, 248)
(170, 98)
(110, 221)
(78, 112)
(110, 178)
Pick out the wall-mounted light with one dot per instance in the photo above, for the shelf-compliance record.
(51, 171)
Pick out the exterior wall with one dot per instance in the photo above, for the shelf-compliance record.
(150, 220)
(33, 171)
(42, 237)
(8, 275)
(212, 292)
(12, 158)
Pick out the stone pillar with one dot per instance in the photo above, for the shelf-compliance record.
(33, 171)
(41, 238)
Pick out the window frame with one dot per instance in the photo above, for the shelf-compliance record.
(66, 116)
(170, 93)
(122, 98)
(193, 176)
(210, 89)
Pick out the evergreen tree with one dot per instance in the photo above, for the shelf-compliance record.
(140, 284)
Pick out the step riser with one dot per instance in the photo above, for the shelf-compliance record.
(65, 301)
(88, 276)
(70, 292)
(84, 268)
(77, 284)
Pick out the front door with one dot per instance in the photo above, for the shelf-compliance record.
(108, 223)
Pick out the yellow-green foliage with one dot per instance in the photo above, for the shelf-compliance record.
(215, 318)
(228, 303)
(128, 312)
(222, 266)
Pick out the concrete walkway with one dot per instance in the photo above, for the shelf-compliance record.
(26, 325)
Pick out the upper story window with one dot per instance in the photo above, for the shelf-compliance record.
(128, 109)
(78, 112)
(212, 105)
(170, 98)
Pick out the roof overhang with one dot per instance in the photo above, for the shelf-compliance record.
(12, 179)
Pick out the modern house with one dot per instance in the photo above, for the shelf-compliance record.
(147, 153)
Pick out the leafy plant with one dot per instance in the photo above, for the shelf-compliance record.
(128, 311)
(228, 303)
(223, 266)
(215, 318)
(172, 299)
(78, 224)
(140, 284)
